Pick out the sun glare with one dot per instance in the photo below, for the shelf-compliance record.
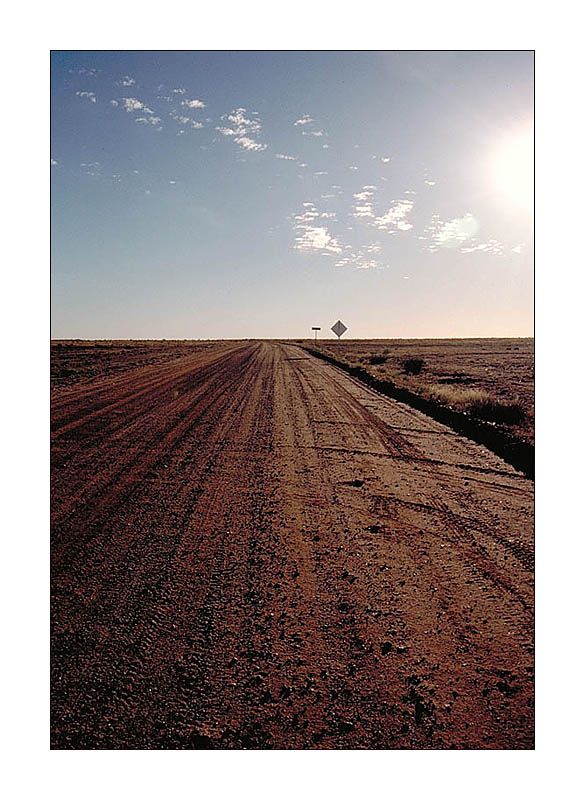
(512, 170)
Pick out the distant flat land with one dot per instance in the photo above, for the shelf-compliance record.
(250, 549)
(503, 368)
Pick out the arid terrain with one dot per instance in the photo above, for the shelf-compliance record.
(453, 372)
(252, 549)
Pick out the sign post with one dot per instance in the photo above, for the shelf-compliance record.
(315, 329)
(339, 329)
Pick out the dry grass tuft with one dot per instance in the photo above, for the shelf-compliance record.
(478, 404)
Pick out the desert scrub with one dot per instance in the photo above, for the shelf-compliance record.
(377, 359)
(413, 366)
(478, 404)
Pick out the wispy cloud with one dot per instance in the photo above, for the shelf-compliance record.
(304, 120)
(308, 128)
(286, 158)
(148, 120)
(364, 206)
(460, 234)
(180, 90)
(91, 73)
(132, 104)
(317, 238)
(193, 103)
(88, 95)
(313, 237)
(360, 258)
(451, 233)
(241, 124)
(185, 121)
(92, 168)
(54, 163)
(492, 246)
(249, 144)
(395, 219)
(127, 81)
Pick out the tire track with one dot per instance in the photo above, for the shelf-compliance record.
(246, 556)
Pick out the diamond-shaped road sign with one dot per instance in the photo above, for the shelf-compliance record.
(339, 328)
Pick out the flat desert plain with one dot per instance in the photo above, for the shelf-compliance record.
(252, 549)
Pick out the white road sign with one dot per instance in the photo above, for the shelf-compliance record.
(339, 328)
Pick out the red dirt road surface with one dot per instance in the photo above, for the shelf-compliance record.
(250, 549)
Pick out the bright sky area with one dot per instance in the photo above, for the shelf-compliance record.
(206, 195)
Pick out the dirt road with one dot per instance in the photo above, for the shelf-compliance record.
(251, 550)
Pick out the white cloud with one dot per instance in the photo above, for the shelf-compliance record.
(492, 246)
(359, 259)
(395, 217)
(375, 247)
(241, 126)
(186, 121)
(89, 95)
(148, 120)
(313, 237)
(286, 158)
(54, 163)
(363, 210)
(249, 144)
(313, 133)
(460, 234)
(128, 81)
(193, 103)
(92, 168)
(385, 160)
(84, 71)
(364, 206)
(304, 120)
(114, 103)
(320, 173)
(178, 91)
(172, 182)
(317, 238)
(132, 104)
(451, 234)
(430, 183)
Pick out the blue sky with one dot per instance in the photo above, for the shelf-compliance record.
(255, 194)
